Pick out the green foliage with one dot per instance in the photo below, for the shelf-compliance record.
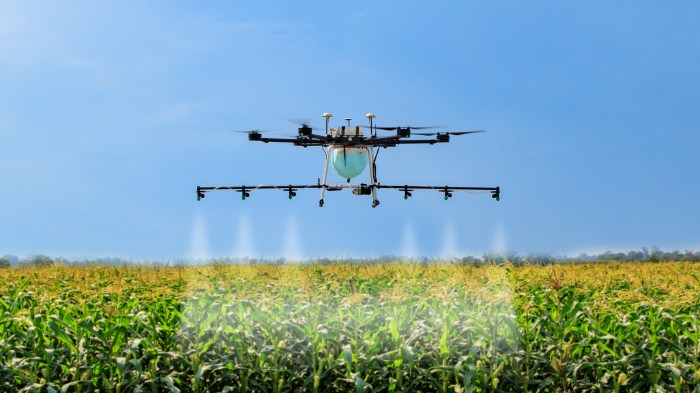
(342, 327)
(5, 263)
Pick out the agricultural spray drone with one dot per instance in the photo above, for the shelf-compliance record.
(350, 152)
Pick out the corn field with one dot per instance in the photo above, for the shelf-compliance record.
(397, 327)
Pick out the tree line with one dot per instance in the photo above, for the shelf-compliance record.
(643, 255)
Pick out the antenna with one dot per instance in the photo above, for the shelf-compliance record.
(327, 116)
(370, 116)
(348, 120)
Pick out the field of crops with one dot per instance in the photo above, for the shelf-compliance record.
(351, 327)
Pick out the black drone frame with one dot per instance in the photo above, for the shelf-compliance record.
(372, 143)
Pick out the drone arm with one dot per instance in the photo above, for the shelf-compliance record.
(447, 190)
(245, 190)
(278, 140)
(394, 141)
(305, 142)
(419, 141)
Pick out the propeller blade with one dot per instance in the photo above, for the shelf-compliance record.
(466, 132)
(449, 133)
(409, 127)
(426, 127)
(302, 123)
(251, 131)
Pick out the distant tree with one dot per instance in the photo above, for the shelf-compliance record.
(5, 263)
(14, 260)
(41, 260)
(584, 257)
(689, 256)
(540, 259)
(674, 256)
(635, 256)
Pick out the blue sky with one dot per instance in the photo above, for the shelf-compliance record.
(111, 115)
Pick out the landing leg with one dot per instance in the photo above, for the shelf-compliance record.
(325, 175)
(370, 157)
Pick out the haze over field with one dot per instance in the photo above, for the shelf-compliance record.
(112, 114)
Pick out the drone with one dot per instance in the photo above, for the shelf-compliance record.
(350, 152)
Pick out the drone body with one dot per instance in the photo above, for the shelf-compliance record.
(349, 151)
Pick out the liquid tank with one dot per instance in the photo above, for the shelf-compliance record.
(348, 162)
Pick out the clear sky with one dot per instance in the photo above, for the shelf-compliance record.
(112, 113)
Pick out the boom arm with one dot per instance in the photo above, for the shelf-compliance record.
(245, 190)
(362, 189)
(447, 190)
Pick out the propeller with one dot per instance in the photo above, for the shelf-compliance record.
(253, 131)
(449, 133)
(255, 135)
(302, 123)
(408, 127)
